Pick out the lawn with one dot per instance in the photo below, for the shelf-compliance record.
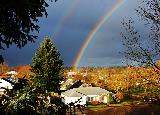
(137, 109)
(98, 107)
(106, 107)
(128, 102)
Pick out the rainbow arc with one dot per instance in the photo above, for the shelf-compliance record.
(95, 30)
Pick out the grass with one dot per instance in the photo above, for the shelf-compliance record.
(142, 109)
(98, 107)
(121, 104)
(128, 102)
(106, 107)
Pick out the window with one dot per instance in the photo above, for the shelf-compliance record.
(90, 99)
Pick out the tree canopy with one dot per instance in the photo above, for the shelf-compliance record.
(30, 96)
(144, 48)
(18, 19)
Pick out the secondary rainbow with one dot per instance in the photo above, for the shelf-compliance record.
(67, 15)
(94, 31)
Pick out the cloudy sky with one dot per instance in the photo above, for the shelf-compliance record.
(69, 22)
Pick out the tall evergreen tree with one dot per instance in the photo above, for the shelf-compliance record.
(30, 97)
(47, 67)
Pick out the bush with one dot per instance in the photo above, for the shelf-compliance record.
(94, 103)
(112, 99)
(119, 97)
(136, 90)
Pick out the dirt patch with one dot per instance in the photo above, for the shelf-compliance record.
(145, 109)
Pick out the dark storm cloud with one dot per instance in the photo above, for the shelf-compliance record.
(15, 56)
(106, 46)
(74, 27)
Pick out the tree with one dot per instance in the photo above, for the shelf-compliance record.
(23, 99)
(139, 48)
(4, 67)
(1, 59)
(47, 67)
(31, 96)
(144, 49)
(18, 19)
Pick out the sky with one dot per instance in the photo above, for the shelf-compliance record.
(69, 23)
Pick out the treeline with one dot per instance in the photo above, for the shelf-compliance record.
(128, 80)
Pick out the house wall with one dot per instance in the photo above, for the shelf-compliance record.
(68, 100)
(104, 98)
(91, 98)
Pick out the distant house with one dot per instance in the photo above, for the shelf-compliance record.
(83, 95)
(11, 73)
(71, 74)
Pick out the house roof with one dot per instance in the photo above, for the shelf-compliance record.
(70, 84)
(70, 93)
(83, 91)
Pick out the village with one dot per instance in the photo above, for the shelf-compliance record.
(96, 88)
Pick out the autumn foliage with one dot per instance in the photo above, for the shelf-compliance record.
(128, 80)
(23, 70)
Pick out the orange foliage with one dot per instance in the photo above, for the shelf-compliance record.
(119, 96)
(23, 70)
(78, 77)
(94, 103)
(121, 78)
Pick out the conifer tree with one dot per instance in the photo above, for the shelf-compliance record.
(30, 96)
(47, 67)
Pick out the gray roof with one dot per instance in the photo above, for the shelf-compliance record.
(71, 93)
(83, 91)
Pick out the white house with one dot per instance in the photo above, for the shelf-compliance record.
(73, 96)
(71, 73)
(12, 73)
(83, 95)
(4, 84)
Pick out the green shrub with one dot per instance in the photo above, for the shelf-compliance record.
(136, 90)
(111, 99)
